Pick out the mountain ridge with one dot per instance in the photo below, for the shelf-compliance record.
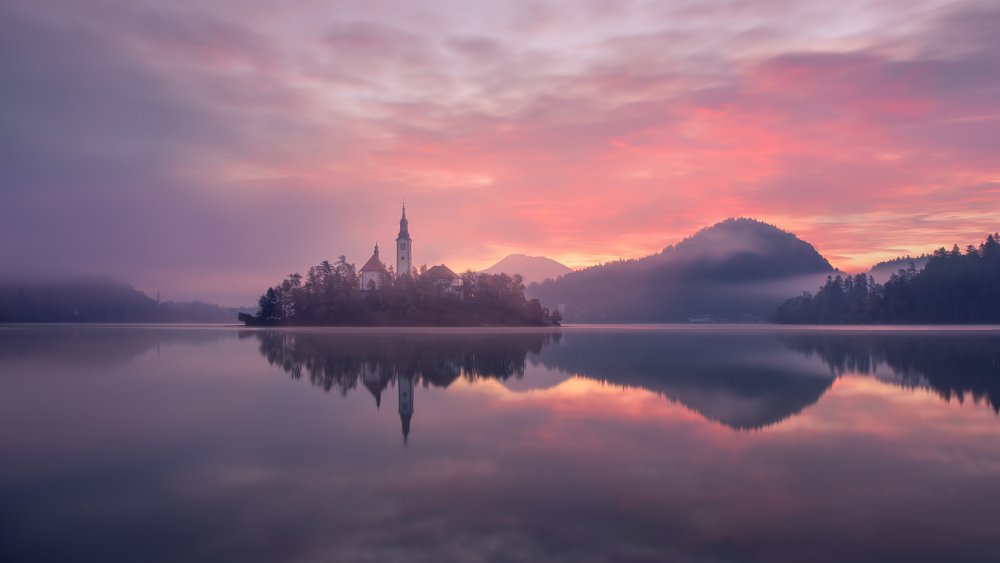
(735, 270)
(534, 269)
(99, 300)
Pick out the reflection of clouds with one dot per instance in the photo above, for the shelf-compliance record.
(215, 467)
(742, 378)
(599, 486)
(954, 364)
(858, 404)
(535, 377)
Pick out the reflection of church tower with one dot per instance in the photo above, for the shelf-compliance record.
(404, 247)
(405, 386)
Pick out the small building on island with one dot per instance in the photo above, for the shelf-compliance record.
(442, 276)
(373, 273)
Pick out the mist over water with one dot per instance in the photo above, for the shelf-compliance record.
(582, 444)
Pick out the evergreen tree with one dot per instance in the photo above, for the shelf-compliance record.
(329, 294)
(953, 287)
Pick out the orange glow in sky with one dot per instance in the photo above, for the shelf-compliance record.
(189, 141)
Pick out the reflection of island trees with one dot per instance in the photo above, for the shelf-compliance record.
(344, 360)
(950, 364)
(744, 380)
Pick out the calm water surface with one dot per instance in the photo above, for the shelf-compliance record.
(584, 444)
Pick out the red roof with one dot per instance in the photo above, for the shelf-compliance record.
(374, 265)
(441, 272)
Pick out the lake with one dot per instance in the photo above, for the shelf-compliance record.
(628, 443)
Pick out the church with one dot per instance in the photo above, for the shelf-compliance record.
(374, 273)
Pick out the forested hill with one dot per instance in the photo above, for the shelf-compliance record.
(953, 287)
(883, 270)
(736, 270)
(98, 301)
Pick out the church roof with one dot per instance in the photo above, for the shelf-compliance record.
(440, 272)
(376, 388)
(374, 264)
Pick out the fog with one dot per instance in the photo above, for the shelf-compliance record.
(207, 149)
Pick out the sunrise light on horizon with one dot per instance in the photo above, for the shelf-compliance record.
(206, 148)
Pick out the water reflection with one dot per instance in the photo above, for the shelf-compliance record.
(96, 345)
(745, 380)
(169, 444)
(955, 365)
(741, 380)
(342, 360)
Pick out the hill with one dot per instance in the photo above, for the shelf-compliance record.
(744, 381)
(98, 301)
(533, 269)
(883, 270)
(735, 270)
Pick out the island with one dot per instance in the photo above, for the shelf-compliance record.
(339, 294)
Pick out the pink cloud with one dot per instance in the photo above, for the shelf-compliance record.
(611, 137)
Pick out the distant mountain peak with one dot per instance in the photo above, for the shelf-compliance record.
(534, 269)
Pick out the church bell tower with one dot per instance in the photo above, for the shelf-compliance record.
(404, 247)
(404, 385)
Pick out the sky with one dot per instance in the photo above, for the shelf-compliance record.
(208, 148)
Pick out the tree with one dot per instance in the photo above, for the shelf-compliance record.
(953, 287)
(269, 308)
(329, 295)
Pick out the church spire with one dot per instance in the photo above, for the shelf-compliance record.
(404, 226)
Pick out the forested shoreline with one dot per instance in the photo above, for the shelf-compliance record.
(99, 301)
(953, 287)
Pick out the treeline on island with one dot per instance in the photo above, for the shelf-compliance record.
(346, 361)
(953, 287)
(329, 295)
